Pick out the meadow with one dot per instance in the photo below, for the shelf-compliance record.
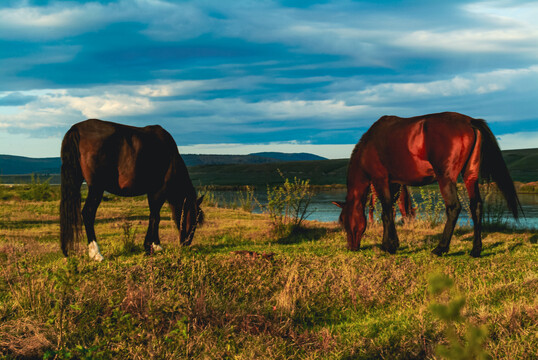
(246, 291)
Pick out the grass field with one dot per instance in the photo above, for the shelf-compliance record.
(241, 292)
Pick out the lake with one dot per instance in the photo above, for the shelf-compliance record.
(323, 210)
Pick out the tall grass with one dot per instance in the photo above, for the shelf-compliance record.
(242, 198)
(431, 206)
(495, 210)
(239, 293)
(37, 190)
(246, 199)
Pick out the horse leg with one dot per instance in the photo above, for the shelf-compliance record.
(449, 192)
(475, 204)
(152, 242)
(371, 206)
(95, 195)
(470, 178)
(405, 204)
(177, 208)
(386, 194)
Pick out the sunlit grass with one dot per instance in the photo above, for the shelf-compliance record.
(242, 291)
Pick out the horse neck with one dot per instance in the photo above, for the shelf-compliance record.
(358, 184)
(186, 193)
(182, 181)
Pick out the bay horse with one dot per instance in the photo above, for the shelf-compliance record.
(418, 151)
(126, 161)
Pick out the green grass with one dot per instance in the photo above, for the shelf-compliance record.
(242, 292)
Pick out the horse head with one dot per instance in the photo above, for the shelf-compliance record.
(192, 216)
(353, 221)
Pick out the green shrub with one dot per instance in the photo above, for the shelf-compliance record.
(432, 206)
(246, 199)
(288, 204)
(38, 190)
(494, 209)
(450, 314)
(129, 235)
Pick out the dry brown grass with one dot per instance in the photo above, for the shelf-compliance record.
(240, 291)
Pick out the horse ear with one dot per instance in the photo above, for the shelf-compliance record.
(340, 204)
(199, 200)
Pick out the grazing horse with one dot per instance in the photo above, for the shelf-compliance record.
(418, 151)
(125, 161)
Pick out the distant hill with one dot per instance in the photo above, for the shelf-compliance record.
(522, 164)
(288, 156)
(19, 165)
(319, 172)
(10, 165)
(257, 169)
(256, 158)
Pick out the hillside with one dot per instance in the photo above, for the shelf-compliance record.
(257, 169)
(320, 172)
(20, 165)
(10, 165)
(256, 158)
(523, 164)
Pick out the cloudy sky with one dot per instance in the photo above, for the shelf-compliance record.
(244, 76)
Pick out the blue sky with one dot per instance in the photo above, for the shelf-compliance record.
(247, 76)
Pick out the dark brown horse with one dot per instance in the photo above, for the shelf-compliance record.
(125, 161)
(418, 151)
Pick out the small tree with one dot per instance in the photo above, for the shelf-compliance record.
(288, 204)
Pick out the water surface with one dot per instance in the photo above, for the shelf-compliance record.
(322, 209)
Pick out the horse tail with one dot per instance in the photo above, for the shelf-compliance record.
(493, 167)
(71, 180)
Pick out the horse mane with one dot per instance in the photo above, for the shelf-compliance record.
(201, 216)
(364, 139)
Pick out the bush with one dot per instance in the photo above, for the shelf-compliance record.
(494, 210)
(288, 204)
(450, 314)
(432, 207)
(247, 200)
(38, 190)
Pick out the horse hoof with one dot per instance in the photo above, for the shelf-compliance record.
(476, 253)
(389, 249)
(156, 248)
(439, 251)
(97, 257)
(94, 253)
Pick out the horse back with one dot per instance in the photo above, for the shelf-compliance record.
(415, 150)
(125, 160)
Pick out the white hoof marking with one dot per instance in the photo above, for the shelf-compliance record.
(93, 251)
(156, 248)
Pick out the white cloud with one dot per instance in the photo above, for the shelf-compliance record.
(108, 105)
(164, 20)
(519, 140)
(471, 41)
(54, 21)
(468, 84)
(33, 147)
(54, 107)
